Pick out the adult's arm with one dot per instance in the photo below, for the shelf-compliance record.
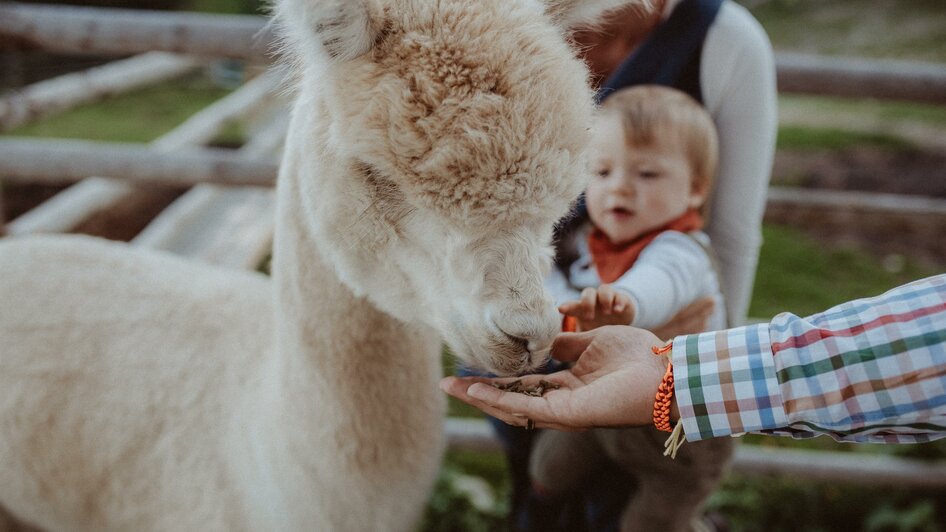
(738, 79)
(871, 370)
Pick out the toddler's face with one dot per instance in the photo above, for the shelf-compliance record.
(635, 189)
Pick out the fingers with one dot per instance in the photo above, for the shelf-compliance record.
(570, 308)
(621, 302)
(459, 388)
(583, 308)
(567, 347)
(606, 296)
(510, 407)
(589, 299)
(624, 309)
(611, 300)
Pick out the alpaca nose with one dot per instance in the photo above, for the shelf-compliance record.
(514, 339)
(532, 331)
(535, 353)
(531, 346)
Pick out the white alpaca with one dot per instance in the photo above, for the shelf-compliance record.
(432, 146)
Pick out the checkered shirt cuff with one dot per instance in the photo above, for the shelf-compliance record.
(725, 383)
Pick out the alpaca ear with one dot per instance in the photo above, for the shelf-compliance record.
(573, 13)
(346, 29)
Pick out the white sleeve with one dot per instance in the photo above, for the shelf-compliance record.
(738, 80)
(560, 288)
(670, 273)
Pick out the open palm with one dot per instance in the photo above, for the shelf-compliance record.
(612, 383)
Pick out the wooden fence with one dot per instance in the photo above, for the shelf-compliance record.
(232, 225)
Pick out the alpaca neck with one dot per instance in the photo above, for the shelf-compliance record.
(346, 372)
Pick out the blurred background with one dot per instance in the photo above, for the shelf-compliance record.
(815, 254)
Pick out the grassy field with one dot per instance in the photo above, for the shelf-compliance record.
(139, 116)
(797, 274)
(891, 29)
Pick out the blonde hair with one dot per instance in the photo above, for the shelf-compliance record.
(650, 112)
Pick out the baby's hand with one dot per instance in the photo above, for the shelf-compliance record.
(600, 306)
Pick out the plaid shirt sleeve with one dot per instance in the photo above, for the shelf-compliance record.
(871, 370)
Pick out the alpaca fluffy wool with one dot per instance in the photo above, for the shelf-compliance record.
(433, 144)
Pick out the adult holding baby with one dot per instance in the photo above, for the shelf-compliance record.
(714, 51)
(641, 259)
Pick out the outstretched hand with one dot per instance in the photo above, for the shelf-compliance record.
(604, 305)
(613, 383)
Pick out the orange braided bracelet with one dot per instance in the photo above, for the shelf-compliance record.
(664, 392)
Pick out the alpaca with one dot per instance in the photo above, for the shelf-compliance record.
(432, 145)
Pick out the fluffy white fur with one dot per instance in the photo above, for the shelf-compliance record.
(432, 146)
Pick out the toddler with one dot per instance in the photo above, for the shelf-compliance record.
(641, 259)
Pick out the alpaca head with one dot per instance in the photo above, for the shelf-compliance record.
(452, 136)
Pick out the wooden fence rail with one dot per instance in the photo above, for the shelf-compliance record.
(58, 161)
(65, 92)
(912, 222)
(869, 469)
(854, 77)
(89, 30)
(96, 195)
(117, 31)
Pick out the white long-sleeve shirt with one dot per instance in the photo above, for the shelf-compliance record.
(671, 272)
(737, 76)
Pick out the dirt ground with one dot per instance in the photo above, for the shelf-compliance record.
(916, 172)
(911, 172)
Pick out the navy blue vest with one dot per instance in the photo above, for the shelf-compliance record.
(671, 54)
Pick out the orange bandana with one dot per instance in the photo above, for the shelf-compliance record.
(612, 260)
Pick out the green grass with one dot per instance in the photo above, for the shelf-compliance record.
(807, 138)
(229, 7)
(898, 29)
(881, 109)
(138, 116)
(776, 504)
(797, 274)
(489, 466)
(455, 408)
